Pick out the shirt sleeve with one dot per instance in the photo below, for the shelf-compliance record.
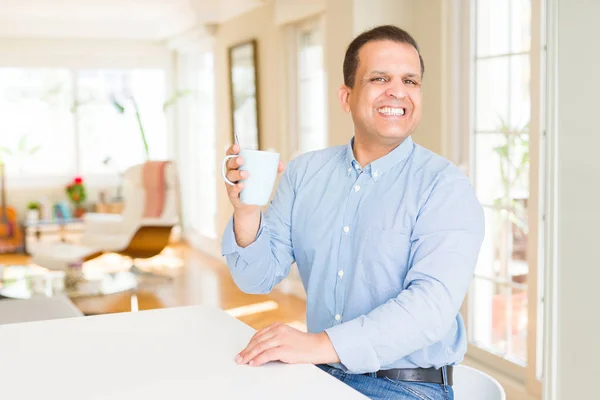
(258, 267)
(446, 241)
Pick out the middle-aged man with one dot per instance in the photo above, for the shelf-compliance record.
(385, 234)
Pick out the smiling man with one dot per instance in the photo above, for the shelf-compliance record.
(385, 234)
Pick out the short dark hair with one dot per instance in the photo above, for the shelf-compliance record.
(383, 32)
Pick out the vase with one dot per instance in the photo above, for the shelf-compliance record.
(79, 211)
(33, 215)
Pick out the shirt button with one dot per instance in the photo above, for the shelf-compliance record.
(356, 166)
(346, 229)
(349, 169)
(341, 273)
(338, 317)
(375, 174)
(356, 188)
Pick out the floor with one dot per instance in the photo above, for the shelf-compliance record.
(201, 279)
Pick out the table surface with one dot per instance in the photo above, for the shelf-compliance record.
(56, 221)
(27, 281)
(179, 353)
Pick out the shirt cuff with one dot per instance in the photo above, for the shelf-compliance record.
(353, 347)
(251, 253)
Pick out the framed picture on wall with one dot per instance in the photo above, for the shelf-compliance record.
(243, 83)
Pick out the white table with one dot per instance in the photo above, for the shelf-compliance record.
(176, 353)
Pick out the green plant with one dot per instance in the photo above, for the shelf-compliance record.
(121, 110)
(76, 191)
(33, 205)
(514, 161)
(120, 107)
(22, 149)
(175, 98)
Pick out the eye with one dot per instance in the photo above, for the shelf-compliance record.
(410, 82)
(379, 79)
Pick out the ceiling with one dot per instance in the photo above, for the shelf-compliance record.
(153, 20)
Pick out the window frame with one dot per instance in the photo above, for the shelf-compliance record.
(293, 45)
(528, 377)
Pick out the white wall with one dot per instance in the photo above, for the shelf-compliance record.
(80, 53)
(578, 173)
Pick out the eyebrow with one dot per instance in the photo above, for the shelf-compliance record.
(408, 75)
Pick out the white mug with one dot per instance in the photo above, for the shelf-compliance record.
(262, 168)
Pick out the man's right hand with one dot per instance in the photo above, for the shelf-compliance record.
(246, 217)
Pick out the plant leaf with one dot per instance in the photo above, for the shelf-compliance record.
(117, 105)
(22, 143)
(34, 149)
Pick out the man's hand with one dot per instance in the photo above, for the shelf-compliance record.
(235, 175)
(246, 218)
(279, 342)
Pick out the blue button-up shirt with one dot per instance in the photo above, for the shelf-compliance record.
(386, 253)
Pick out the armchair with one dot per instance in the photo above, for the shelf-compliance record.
(142, 230)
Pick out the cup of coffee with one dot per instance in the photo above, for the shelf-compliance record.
(262, 170)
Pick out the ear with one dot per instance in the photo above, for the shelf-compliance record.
(344, 96)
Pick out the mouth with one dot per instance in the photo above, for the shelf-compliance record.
(392, 111)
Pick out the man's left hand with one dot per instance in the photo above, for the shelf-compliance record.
(279, 342)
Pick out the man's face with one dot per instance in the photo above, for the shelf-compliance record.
(385, 101)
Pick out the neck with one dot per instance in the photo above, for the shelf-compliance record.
(366, 152)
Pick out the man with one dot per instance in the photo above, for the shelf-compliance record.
(385, 234)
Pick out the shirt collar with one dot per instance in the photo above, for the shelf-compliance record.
(382, 164)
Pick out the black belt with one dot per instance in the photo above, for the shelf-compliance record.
(430, 375)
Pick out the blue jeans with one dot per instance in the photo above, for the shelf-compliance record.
(387, 389)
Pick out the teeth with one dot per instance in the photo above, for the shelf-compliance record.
(391, 111)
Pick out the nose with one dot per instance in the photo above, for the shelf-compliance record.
(397, 91)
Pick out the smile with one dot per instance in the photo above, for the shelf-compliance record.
(391, 111)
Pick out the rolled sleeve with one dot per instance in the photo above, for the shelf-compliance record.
(353, 347)
(250, 254)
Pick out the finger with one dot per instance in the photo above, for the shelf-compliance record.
(234, 191)
(273, 354)
(264, 331)
(257, 337)
(264, 342)
(280, 167)
(234, 163)
(257, 341)
(235, 175)
(233, 149)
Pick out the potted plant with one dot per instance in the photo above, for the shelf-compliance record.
(77, 194)
(33, 211)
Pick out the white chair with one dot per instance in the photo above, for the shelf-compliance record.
(142, 230)
(472, 384)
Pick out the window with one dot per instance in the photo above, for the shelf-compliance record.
(62, 122)
(311, 122)
(197, 143)
(504, 308)
(110, 136)
(36, 122)
(499, 312)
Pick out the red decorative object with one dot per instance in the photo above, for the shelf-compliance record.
(76, 191)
